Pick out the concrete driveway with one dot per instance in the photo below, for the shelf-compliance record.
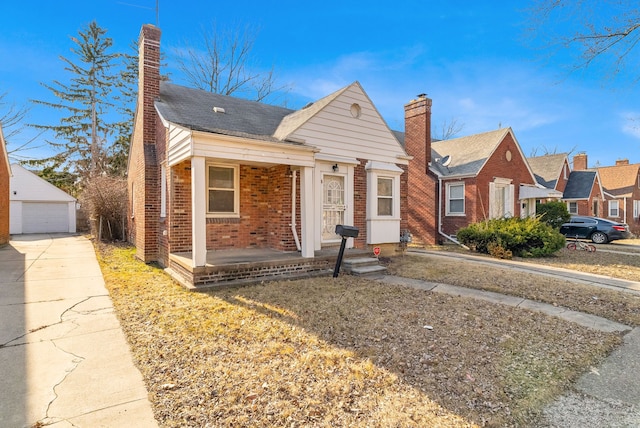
(64, 360)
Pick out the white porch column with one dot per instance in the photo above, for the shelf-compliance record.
(306, 211)
(198, 213)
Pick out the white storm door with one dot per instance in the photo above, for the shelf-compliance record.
(333, 206)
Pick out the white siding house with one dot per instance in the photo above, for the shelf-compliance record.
(37, 206)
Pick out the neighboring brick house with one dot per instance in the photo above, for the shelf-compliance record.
(584, 194)
(209, 173)
(5, 176)
(621, 184)
(551, 171)
(470, 179)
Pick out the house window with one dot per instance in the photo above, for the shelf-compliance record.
(614, 208)
(222, 190)
(636, 209)
(455, 198)
(564, 171)
(572, 207)
(385, 196)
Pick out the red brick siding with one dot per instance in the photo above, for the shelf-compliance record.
(360, 203)
(477, 189)
(179, 207)
(421, 184)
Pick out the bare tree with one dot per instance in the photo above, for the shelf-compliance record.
(12, 120)
(606, 29)
(546, 151)
(222, 63)
(447, 130)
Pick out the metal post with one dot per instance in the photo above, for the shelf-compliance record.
(336, 270)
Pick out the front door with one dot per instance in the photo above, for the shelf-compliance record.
(333, 206)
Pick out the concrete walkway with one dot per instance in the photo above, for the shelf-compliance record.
(64, 360)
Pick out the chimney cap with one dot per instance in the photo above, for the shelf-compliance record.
(422, 95)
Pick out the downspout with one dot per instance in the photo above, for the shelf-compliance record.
(455, 241)
(293, 209)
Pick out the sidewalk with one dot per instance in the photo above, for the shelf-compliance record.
(64, 360)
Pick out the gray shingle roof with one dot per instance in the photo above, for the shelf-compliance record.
(579, 185)
(467, 154)
(193, 109)
(547, 168)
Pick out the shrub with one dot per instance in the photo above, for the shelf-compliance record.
(105, 201)
(502, 238)
(553, 213)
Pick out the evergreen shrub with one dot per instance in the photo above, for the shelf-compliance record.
(528, 237)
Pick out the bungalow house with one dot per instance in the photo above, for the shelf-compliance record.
(580, 189)
(464, 180)
(222, 188)
(5, 175)
(551, 171)
(584, 194)
(622, 186)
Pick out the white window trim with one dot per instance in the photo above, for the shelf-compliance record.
(614, 205)
(392, 197)
(569, 207)
(236, 190)
(636, 209)
(448, 204)
(377, 170)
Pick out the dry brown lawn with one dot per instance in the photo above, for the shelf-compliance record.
(342, 352)
(610, 304)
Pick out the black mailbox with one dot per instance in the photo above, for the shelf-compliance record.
(347, 231)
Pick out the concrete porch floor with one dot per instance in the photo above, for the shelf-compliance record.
(258, 255)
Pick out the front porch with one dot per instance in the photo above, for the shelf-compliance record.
(247, 266)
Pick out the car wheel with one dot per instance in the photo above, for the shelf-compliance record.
(599, 238)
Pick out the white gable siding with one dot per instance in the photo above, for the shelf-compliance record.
(335, 131)
(26, 186)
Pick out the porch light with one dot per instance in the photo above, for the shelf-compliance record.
(335, 167)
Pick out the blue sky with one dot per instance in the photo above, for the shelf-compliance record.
(474, 59)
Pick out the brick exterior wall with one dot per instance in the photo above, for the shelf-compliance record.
(422, 194)
(360, 203)
(477, 188)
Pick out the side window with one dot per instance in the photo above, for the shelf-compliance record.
(223, 190)
(385, 196)
(572, 207)
(614, 208)
(455, 198)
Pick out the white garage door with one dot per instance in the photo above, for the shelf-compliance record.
(45, 217)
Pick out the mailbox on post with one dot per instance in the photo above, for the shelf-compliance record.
(345, 232)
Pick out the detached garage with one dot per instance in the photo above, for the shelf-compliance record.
(37, 206)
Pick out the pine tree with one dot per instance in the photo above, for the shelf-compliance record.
(82, 137)
(127, 86)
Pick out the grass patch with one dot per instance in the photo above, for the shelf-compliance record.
(611, 304)
(340, 352)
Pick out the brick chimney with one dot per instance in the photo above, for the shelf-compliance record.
(149, 78)
(622, 162)
(417, 129)
(580, 162)
(422, 198)
(143, 174)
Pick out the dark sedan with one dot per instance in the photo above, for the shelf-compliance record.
(599, 230)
